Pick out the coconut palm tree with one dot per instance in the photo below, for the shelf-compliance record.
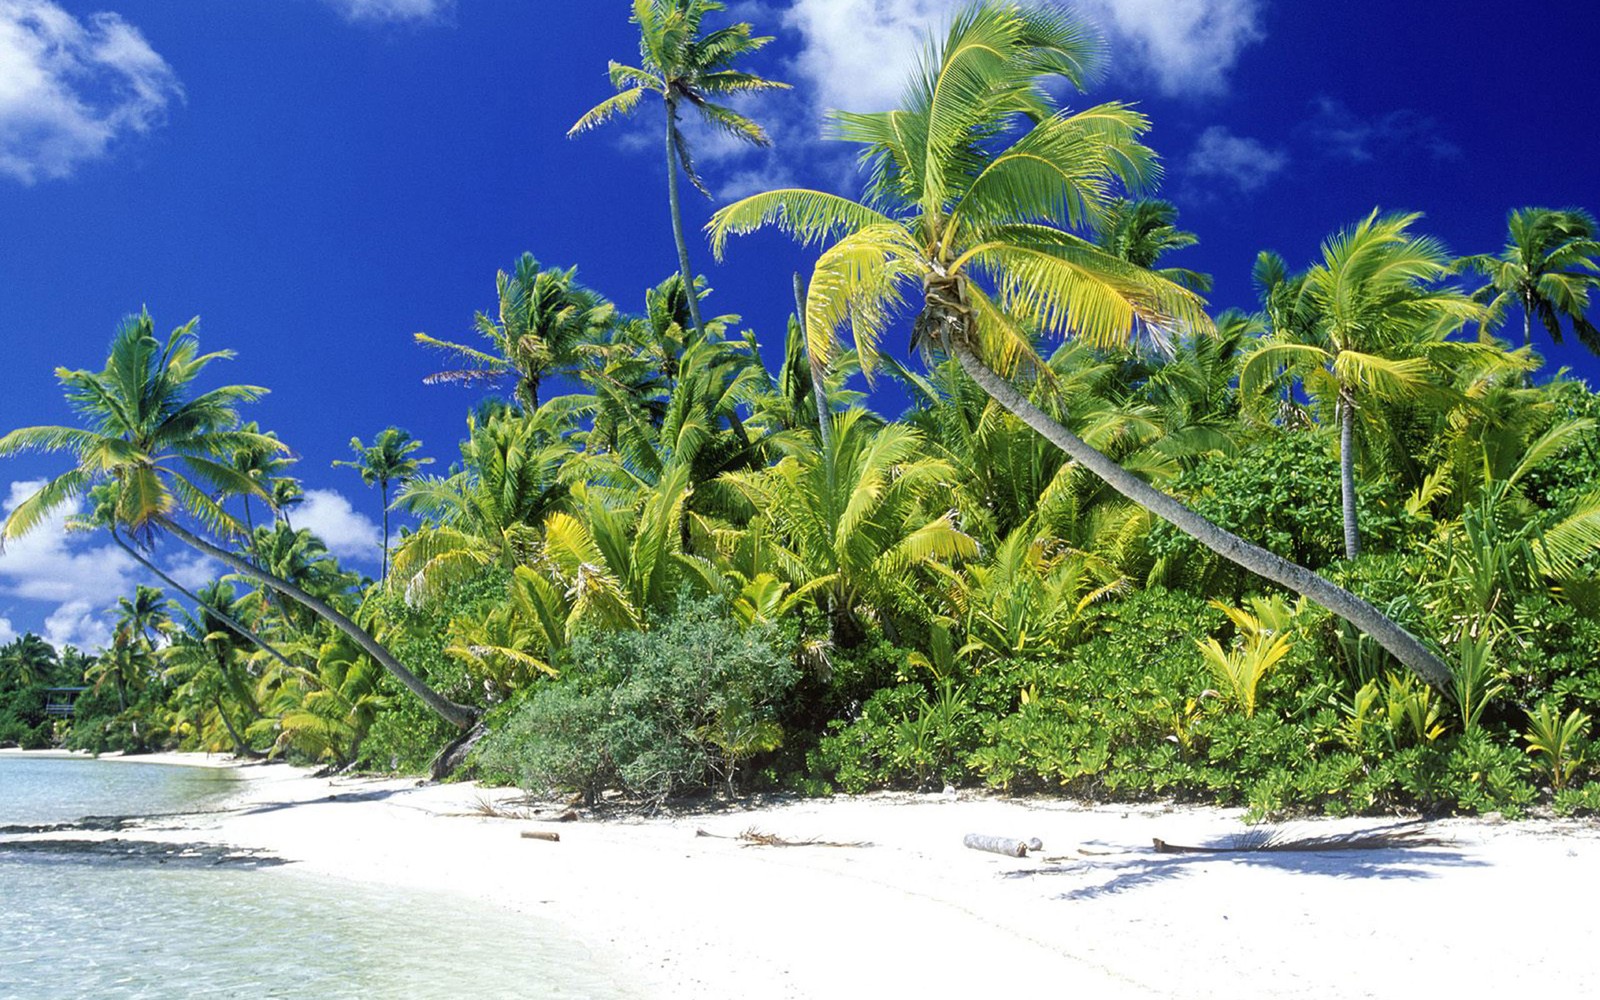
(1548, 268)
(685, 67)
(972, 187)
(386, 460)
(1143, 230)
(846, 523)
(168, 448)
(1370, 326)
(543, 319)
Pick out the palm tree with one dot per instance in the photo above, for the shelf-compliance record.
(386, 460)
(847, 522)
(685, 67)
(966, 206)
(1369, 328)
(1141, 231)
(543, 319)
(167, 448)
(25, 661)
(1549, 266)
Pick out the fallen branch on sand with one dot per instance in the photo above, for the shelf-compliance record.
(1011, 847)
(1413, 833)
(752, 837)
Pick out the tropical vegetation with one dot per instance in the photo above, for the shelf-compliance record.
(1338, 552)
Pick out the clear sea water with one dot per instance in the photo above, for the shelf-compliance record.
(74, 926)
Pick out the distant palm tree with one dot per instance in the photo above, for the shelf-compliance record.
(684, 66)
(1549, 267)
(168, 449)
(25, 661)
(970, 187)
(1367, 327)
(543, 318)
(386, 460)
(1143, 230)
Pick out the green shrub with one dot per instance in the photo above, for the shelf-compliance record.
(658, 713)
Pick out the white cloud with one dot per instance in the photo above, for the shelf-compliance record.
(70, 88)
(1246, 163)
(393, 11)
(52, 564)
(857, 54)
(193, 570)
(346, 533)
(7, 631)
(1187, 46)
(78, 623)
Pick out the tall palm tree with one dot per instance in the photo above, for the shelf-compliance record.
(542, 319)
(971, 187)
(1548, 268)
(386, 460)
(684, 66)
(167, 447)
(1369, 328)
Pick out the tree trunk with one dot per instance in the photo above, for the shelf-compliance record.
(1527, 321)
(227, 620)
(383, 560)
(819, 392)
(1347, 474)
(689, 292)
(460, 716)
(1404, 646)
(239, 747)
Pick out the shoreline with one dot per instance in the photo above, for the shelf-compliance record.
(1098, 912)
(168, 759)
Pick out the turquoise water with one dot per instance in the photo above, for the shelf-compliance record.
(74, 926)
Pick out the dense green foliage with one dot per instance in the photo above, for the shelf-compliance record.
(702, 572)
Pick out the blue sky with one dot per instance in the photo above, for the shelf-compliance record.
(319, 179)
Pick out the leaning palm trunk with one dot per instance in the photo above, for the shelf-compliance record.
(1404, 646)
(214, 612)
(1347, 475)
(673, 146)
(460, 716)
(819, 392)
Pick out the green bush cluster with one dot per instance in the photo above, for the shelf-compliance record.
(1132, 712)
(678, 708)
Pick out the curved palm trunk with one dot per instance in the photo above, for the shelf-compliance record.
(1347, 476)
(677, 219)
(220, 616)
(460, 716)
(819, 392)
(1402, 644)
(240, 748)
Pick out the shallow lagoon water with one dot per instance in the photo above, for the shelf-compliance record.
(74, 926)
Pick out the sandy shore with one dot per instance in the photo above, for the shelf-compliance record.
(1492, 909)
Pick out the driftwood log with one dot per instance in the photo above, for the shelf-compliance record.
(1009, 846)
(549, 835)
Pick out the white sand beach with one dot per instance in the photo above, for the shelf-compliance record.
(1492, 908)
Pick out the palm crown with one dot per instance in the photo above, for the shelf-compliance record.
(974, 187)
(167, 450)
(683, 67)
(1549, 267)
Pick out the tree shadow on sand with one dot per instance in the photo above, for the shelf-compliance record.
(1136, 870)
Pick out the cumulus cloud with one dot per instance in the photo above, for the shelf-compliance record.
(1341, 133)
(70, 88)
(1247, 164)
(52, 564)
(7, 631)
(393, 11)
(1185, 46)
(347, 533)
(78, 623)
(856, 54)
